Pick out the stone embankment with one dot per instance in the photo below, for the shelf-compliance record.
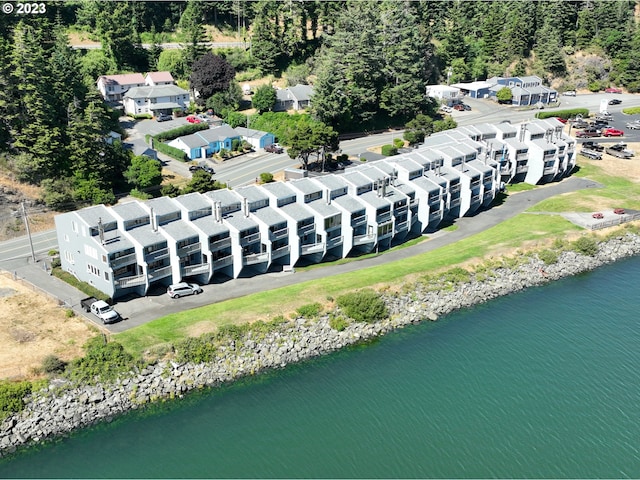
(63, 408)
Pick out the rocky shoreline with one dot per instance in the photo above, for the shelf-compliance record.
(61, 409)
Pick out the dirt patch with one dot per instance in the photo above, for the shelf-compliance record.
(32, 326)
(617, 167)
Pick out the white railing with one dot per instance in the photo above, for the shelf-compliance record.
(156, 255)
(280, 252)
(160, 273)
(223, 261)
(254, 258)
(220, 244)
(134, 281)
(249, 239)
(278, 234)
(306, 229)
(357, 221)
(195, 269)
(312, 248)
(332, 242)
(383, 218)
(402, 226)
(188, 249)
(364, 239)
(522, 169)
(124, 260)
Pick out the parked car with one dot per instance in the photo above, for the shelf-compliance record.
(193, 119)
(163, 117)
(562, 120)
(446, 109)
(569, 93)
(459, 107)
(466, 107)
(634, 125)
(619, 211)
(615, 101)
(588, 133)
(597, 215)
(202, 166)
(580, 124)
(100, 309)
(274, 148)
(613, 90)
(183, 289)
(592, 154)
(592, 146)
(604, 117)
(612, 132)
(619, 150)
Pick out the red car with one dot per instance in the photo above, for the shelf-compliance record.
(619, 211)
(613, 90)
(597, 215)
(192, 119)
(612, 132)
(560, 119)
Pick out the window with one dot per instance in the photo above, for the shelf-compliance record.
(104, 258)
(106, 276)
(90, 251)
(93, 270)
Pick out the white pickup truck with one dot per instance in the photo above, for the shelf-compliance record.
(100, 309)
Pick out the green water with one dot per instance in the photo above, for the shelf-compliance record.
(544, 384)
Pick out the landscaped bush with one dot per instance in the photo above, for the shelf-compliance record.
(141, 116)
(266, 177)
(585, 245)
(180, 131)
(398, 142)
(103, 361)
(11, 397)
(455, 276)
(631, 110)
(389, 150)
(310, 310)
(173, 152)
(549, 257)
(569, 113)
(363, 306)
(53, 364)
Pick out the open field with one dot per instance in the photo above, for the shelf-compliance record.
(32, 326)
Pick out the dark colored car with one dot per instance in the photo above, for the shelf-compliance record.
(592, 146)
(163, 117)
(588, 133)
(615, 101)
(274, 148)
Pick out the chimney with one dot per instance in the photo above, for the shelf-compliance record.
(245, 206)
(218, 207)
(328, 196)
(154, 220)
(101, 230)
(383, 188)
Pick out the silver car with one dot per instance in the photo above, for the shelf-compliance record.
(183, 289)
(634, 125)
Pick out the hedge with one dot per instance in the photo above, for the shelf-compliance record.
(181, 131)
(173, 152)
(389, 150)
(571, 113)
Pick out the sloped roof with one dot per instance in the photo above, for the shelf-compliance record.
(122, 79)
(160, 76)
(155, 91)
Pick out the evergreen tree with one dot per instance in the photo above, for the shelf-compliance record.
(192, 30)
(264, 99)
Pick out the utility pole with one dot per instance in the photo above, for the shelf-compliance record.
(26, 225)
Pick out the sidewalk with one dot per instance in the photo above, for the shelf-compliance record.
(138, 311)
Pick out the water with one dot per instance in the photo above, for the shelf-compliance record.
(541, 384)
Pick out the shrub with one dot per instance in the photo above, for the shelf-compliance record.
(197, 349)
(389, 150)
(12, 395)
(140, 194)
(266, 177)
(53, 364)
(338, 323)
(173, 152)
(455, 276)
(69, 313)
(586, 246)
(84, 287)
(103, 361)
(363, 306)
(398, 142)
(631, 110)
(549, 257)
(569, 113)
(310, 310)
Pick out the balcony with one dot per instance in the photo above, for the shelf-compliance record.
(124, 260)
(305, 229)
(220, 244)
(223, 262)
(156, 255)
(401, 226)
(364, 239)
(335, 241)
(279, 234)
(549, 156)
(133, 281)
(195, 269)
(522, 169)
(249, 239)
(357, 221)
(505, 168)
(475, 199)
(414, 202)
(311, 248)
(549, 171)
(254, 258)
(160, 273)
(454, 188)
(280, 252)
(188, 249)
(522, 156)
(454, 202)
(383, 218)
(488, 196)
(475, 184)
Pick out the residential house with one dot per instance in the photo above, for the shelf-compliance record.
(153, 79)
(113, 87)
(155, 99)
(205, 143)
(527, 90)
(256, 138)
(297, 97)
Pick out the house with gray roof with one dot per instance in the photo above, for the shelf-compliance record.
(205, 143)
(297, 97)
(155, 99)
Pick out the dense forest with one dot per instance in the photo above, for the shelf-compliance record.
(369, 62)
